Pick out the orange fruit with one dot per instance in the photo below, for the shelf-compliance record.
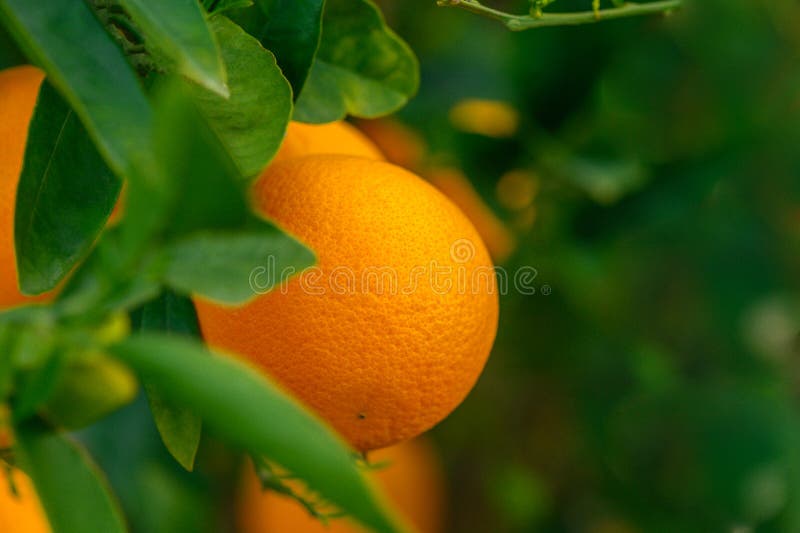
(457, 187)
(409, 474)
(399, 143)
(19, 88)
(391, 329)
(333, 138)
(21, 512)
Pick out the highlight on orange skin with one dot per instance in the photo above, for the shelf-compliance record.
(19, 88)
(409, 474)
(333, 138)
(455, 185)
(400, 144)
(21, 512)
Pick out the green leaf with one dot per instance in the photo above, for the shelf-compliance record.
(242, 405)
(180, 428)
(232, 267)
(291, 31)
(199, 186)
(73, 492)
(65, 195)
(252, 122)
(362, 67)
(222, 6)
(89, 70)
(110, 280)
(178, 30)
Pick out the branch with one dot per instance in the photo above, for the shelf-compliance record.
(539, 19)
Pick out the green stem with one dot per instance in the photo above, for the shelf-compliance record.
(525, 22)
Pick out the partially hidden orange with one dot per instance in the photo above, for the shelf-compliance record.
(19, 88)
(20, 512)
(409, 475)
(391, 329)
(456, 186)
(400, 144)
(333, 138)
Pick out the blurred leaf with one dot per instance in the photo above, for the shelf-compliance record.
(291, 31)
(35, 387)
(179, 30)
(245, 407)
(604, 180)
(72, 490)
(362, 67)
(252, 122)
(109, 280)
(199, 186)
(65, 195)
(180, 428)
(89, 70)
(230, 261)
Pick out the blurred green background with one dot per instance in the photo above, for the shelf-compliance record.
(655, 387)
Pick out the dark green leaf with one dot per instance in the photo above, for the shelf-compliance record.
(65, 195)
(180, 428)
(178, 30)
(252, 122)
(291, 31)
(362, 67)
(243, 406)
(231, 267)
(72, 490)
(86, 66)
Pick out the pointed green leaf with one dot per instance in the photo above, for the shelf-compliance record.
(234, 267)
(66, 193)
(73, 492)
(291, 30)
(242, 405)
(89, 70)
(252, 122)
(362, 67)
(180, 428)
(178, 30)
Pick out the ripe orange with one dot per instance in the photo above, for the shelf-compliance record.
(456, 186)
(411, 479)
(392, 329)
(19, 88)
(333, 138)
(20, 513)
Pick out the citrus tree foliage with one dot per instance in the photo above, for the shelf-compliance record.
(179, 105)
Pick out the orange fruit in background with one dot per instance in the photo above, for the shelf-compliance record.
(490, 118)
(19, 88)
(412, 481)
(400, 144)
(20, 513)
(332, 138)
(392, 329)
(455, 185)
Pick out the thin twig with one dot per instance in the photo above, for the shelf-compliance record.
(540, 19)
